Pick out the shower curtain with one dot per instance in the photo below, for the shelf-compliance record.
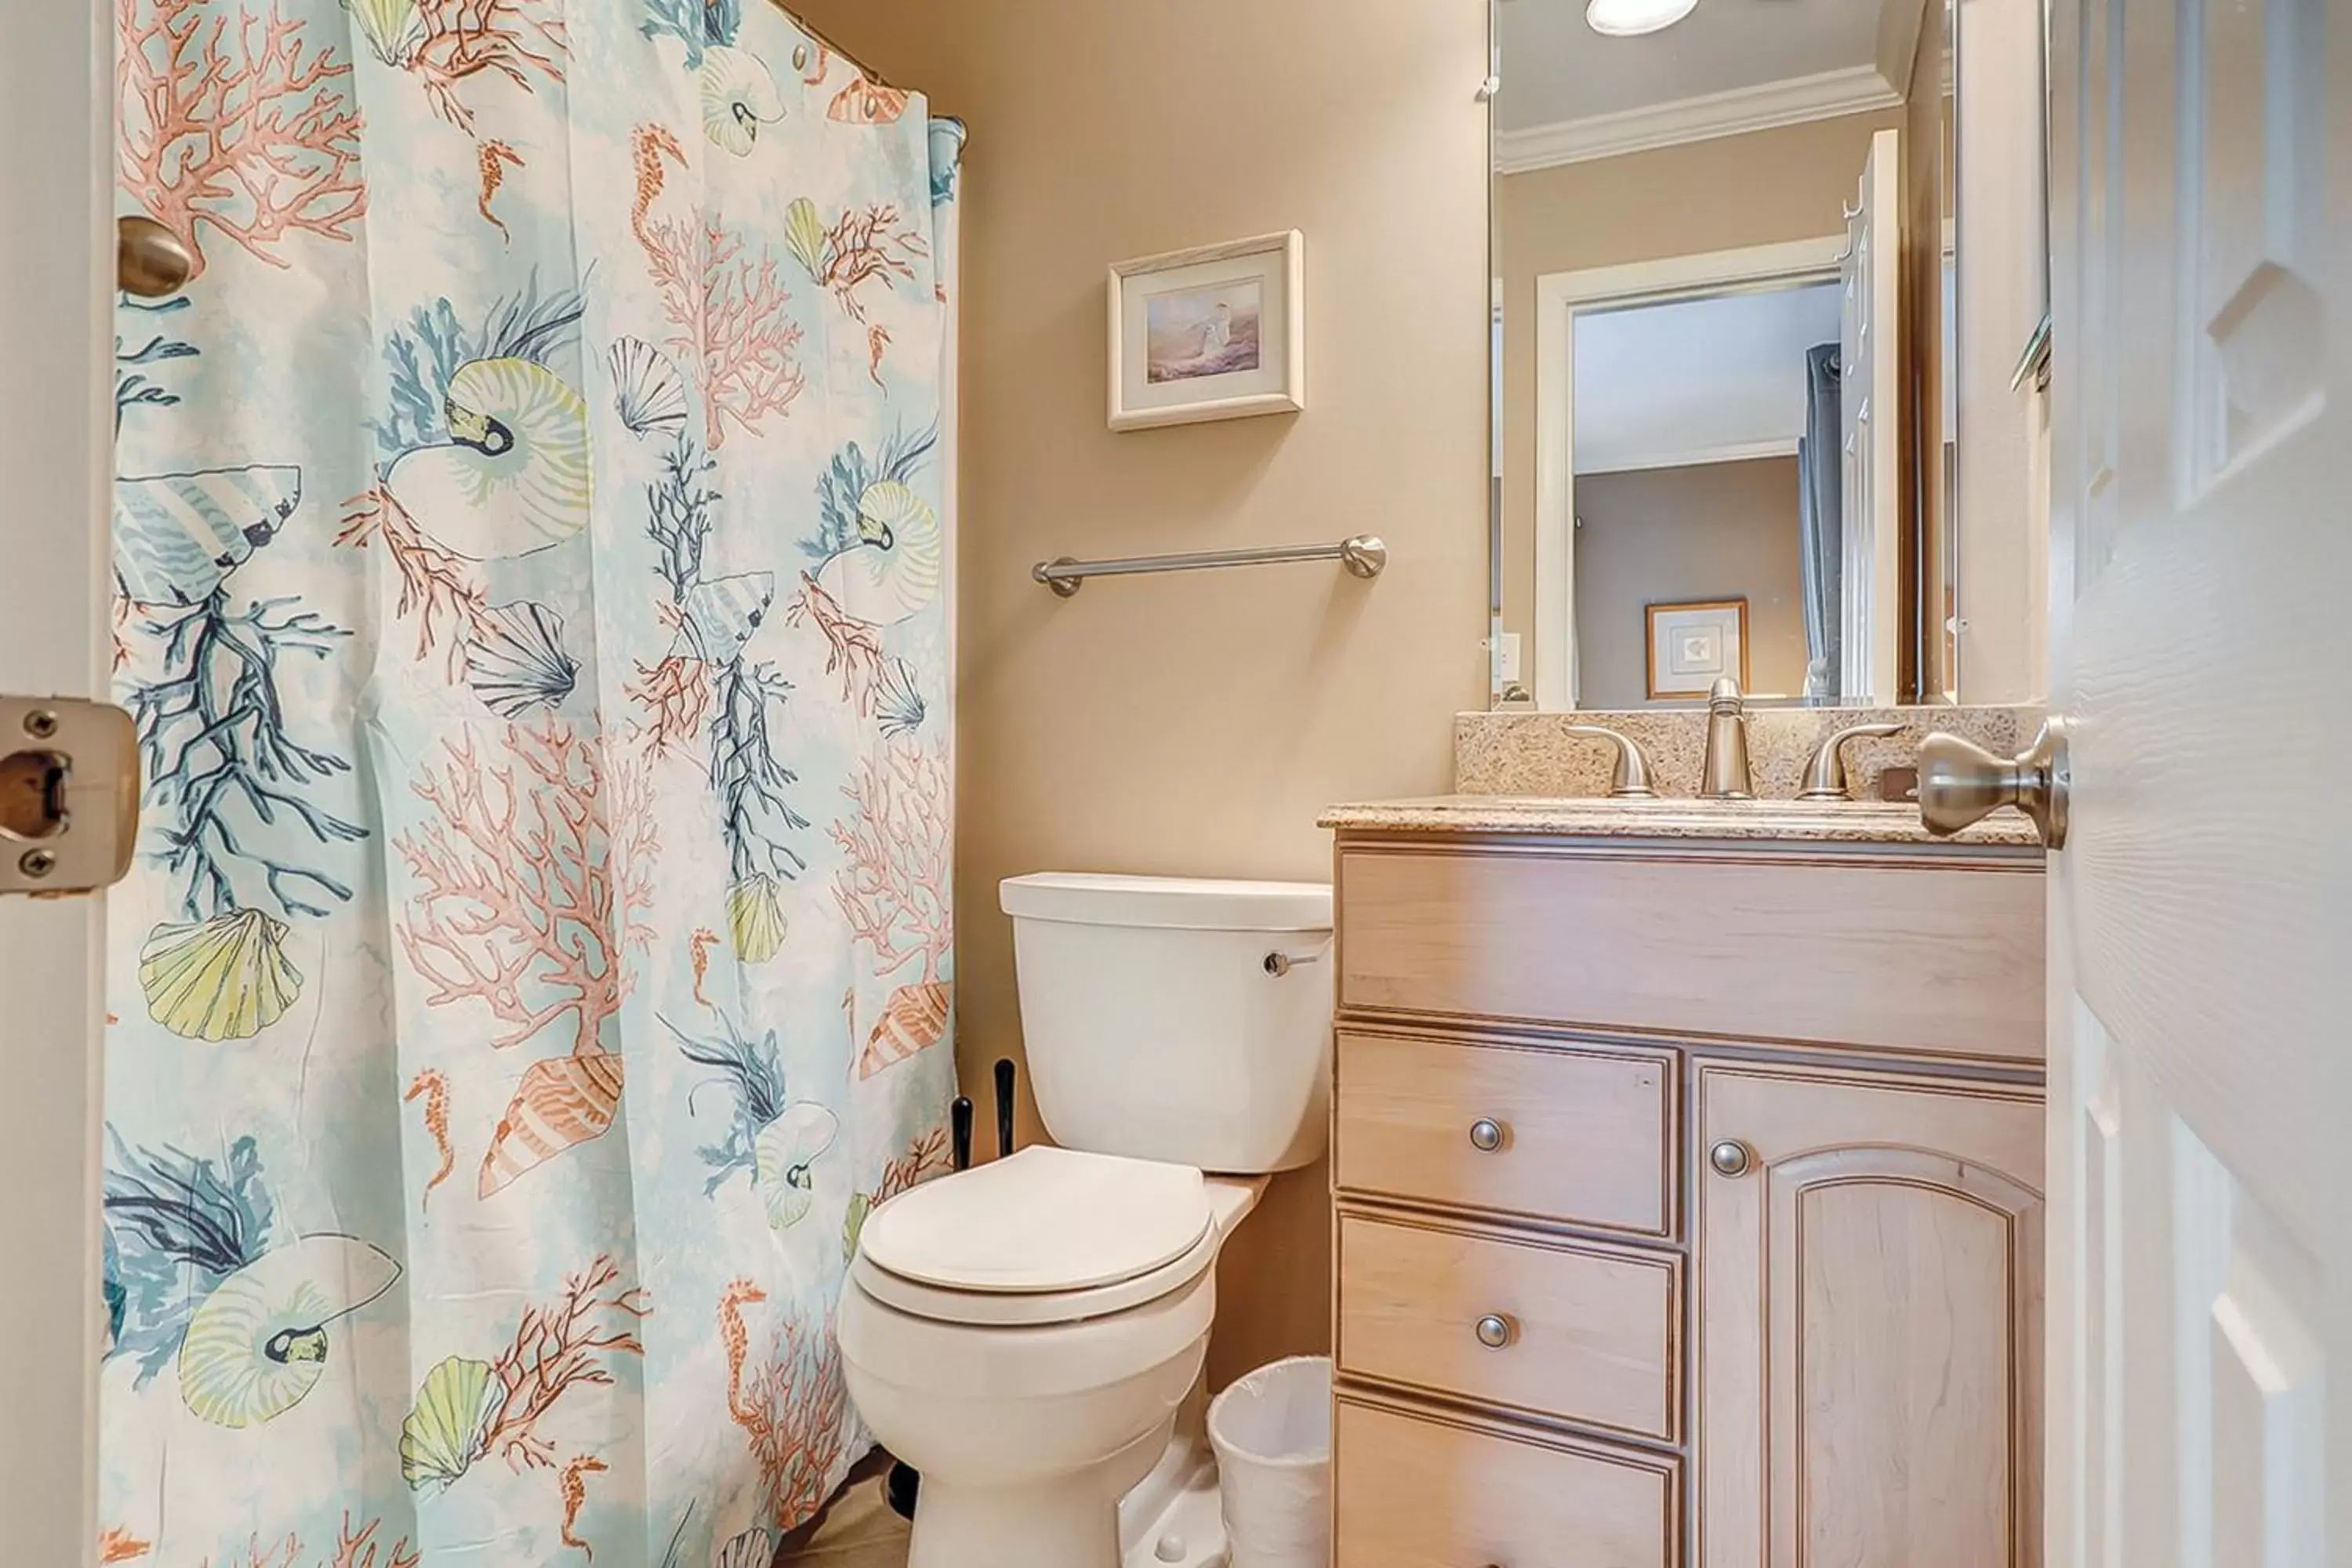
(534, 562)
(1821, 525)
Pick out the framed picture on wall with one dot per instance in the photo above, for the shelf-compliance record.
(1214, 332)
(1694, 645)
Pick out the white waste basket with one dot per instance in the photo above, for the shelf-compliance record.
(1272, 1434)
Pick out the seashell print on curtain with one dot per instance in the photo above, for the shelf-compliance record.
(533, 564)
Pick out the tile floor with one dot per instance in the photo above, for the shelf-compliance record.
(856, 1529)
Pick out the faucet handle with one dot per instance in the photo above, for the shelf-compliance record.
(1630, 780)
(1825, 777)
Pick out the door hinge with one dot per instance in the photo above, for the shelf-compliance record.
(69, 795)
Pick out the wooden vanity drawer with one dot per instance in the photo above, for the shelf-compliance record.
(1590, 1330)
(1430, 1493)
(1912, 953)
(1586, 1136)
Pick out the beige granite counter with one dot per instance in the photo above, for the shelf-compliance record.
(1855, 822)
(1528, 754)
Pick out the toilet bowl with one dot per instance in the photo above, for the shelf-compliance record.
(1030, 1335)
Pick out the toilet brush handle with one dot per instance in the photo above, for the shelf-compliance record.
(1004, 1072)
(960, 1126)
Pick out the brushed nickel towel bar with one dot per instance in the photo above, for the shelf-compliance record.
(1363, 554)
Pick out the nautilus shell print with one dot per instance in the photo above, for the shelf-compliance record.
(515, 476)
(896, 571)
(739, 95)
(262, 1340)
(787, 1150)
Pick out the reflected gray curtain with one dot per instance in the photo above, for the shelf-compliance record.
(1821, 523)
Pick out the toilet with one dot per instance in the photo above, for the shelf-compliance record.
(1030, 1335)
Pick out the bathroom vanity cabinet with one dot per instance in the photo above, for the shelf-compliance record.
(1687, 1194)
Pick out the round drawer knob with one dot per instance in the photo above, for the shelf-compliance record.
(1730, 1158)
(1495, 1331)
(1486, 1134)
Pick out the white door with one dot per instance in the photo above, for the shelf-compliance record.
(2200, 1022)
(1872, 500)
(56, 450)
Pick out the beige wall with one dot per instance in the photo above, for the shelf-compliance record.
(1197, 723)
(1764, 188)
(1709, 530)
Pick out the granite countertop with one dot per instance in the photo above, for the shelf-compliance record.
(1855, 822)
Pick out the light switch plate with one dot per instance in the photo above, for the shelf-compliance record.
(1507, 656)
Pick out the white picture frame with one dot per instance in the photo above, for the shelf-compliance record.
(1218, 332)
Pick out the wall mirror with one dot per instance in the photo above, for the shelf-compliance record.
(1769, 308)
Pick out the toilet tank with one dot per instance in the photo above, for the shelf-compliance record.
(1174, 1019)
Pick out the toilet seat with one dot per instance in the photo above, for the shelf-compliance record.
(1030, 1309)
(1047, 1236)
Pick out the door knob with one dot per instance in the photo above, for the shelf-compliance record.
(150, 260)
(1486, 1134)
(1729, 1158)
(1495, 1331)
(1961, 783)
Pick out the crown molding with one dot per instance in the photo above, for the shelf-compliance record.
(1855, 89)
(1901, 25)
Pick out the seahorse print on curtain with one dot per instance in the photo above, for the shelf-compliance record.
(533, 554)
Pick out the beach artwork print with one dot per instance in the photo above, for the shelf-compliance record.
(1216, 331)
(1194, 333)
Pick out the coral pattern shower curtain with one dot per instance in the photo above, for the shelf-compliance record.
(534, 569)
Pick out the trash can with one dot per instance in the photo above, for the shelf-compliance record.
(1272, 1434)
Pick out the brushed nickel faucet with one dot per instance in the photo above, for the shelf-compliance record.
(1725, 775)
(1629, 779)
(1826, 776)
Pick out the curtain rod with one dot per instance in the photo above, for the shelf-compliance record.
(806, 25)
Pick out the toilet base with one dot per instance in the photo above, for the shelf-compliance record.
(1189, 1533)
(1066, 1524)
(1173, 1518)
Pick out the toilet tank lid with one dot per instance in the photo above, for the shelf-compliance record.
(1183, 903)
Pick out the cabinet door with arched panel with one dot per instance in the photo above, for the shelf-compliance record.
(1868, 1260)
